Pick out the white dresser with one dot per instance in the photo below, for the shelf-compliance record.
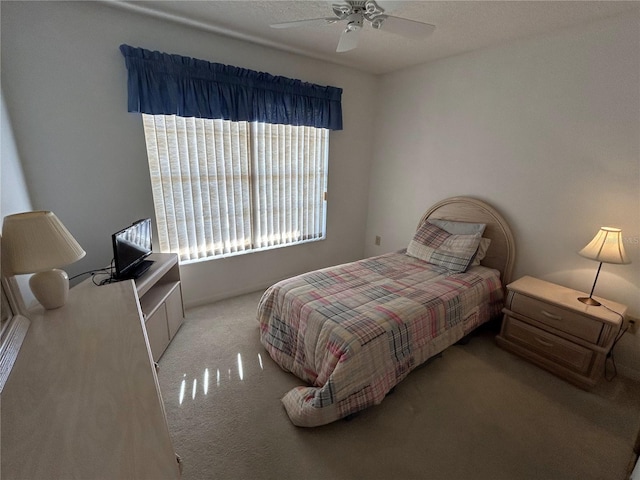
(83, 400)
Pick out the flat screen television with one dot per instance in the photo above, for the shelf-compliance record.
(131, 246)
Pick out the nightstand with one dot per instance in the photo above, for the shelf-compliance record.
(546, 324)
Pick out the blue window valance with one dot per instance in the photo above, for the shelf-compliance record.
(166, 84)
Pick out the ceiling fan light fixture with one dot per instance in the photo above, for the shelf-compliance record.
(354, 13)
(355, 21)
(342, 11)
(378, 22)
(372, 9)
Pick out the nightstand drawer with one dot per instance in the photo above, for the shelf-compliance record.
(561, 351)
(564, 320)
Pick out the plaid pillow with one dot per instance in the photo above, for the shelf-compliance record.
(434, 245)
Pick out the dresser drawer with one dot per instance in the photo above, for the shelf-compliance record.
(559, 350)
(556, 317)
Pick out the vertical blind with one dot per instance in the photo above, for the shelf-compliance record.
(222, 187)
(289, 168)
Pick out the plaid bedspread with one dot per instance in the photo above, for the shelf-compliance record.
(353, 331)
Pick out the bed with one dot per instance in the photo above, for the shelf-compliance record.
(354, 331)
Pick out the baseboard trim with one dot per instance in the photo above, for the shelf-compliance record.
(226, 294)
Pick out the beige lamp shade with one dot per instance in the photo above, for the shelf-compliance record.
(606, 247)
(37, 242)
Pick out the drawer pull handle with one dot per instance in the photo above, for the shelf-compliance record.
(551, 315)
(542, 342)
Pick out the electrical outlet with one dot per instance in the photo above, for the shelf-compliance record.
(634, 323)
(378, 240)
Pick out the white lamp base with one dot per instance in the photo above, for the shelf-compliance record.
(51, 288)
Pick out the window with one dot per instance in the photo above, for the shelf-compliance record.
(222, 187)
(237, 158)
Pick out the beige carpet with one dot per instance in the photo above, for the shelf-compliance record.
(476, 413)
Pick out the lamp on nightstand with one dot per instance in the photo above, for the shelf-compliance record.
(606, 247)
(37, 242)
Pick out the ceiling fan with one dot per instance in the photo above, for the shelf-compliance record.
(354, 13)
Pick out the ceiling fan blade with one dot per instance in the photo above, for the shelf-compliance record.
(402, 26)
(312, 22)
(348, 40)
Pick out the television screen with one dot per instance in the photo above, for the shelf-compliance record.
(131, 246)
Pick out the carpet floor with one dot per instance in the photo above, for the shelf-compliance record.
(478, 412)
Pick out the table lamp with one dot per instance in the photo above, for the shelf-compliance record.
(38, 242)
(606, 247)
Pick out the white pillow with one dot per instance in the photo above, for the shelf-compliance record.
(458, 228)
(482, 251)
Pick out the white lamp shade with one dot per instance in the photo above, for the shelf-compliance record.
(37, 241)
(606, 247)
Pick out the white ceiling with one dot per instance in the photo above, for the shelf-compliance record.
(461, 26)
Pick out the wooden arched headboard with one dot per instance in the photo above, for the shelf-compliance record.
(501, 253)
